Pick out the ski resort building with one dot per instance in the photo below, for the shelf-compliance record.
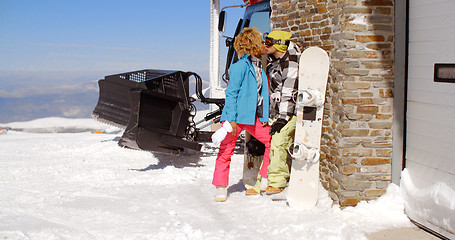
(357, 144)
(390, 99)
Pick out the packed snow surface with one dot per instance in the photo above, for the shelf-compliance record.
(61, 185)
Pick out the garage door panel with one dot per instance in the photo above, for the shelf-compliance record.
(430, 115)
(431, 97)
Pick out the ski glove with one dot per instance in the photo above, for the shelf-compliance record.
(277, 125)
(221, 133)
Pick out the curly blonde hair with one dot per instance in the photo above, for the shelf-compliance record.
(248, 41)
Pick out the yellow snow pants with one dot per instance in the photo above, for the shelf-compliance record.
(278, 170)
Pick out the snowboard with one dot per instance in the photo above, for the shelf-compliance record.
(252, 161)
(304, 180)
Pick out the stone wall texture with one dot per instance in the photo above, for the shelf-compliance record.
(356, 147)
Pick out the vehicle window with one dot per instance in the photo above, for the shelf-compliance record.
(261, 21)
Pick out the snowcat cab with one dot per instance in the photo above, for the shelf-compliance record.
(257, 14)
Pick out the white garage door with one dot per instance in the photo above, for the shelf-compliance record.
(429, 181)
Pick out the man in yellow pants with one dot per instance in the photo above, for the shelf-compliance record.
(282, 69)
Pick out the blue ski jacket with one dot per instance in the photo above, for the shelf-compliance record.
(241, 94)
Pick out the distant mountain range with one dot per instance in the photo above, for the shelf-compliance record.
(69, 101)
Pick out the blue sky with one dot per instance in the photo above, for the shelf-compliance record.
(52, 52)
(104, 36)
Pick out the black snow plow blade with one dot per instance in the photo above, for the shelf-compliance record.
(154, 108)
(114, 101)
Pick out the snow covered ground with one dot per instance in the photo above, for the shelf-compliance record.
(58, 180)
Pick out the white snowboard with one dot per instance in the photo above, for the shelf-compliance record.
(251, 165)
(304, 181)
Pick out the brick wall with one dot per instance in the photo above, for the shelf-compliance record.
(356, 147)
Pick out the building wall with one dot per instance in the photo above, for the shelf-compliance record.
(356, 147)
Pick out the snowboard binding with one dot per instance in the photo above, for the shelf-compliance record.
(309, 97)
(300, 151)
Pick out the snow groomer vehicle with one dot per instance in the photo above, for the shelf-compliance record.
(154, 106)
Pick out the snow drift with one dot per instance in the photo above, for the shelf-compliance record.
(84, 186)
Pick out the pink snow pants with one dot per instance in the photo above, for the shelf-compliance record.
(223, 160)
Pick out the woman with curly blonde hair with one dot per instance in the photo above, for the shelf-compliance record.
(246, 107)
(249, 42)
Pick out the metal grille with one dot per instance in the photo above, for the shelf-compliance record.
(142, 75)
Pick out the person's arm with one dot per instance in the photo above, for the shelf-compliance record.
(234, 128)
(289, 86)
(232, 92)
